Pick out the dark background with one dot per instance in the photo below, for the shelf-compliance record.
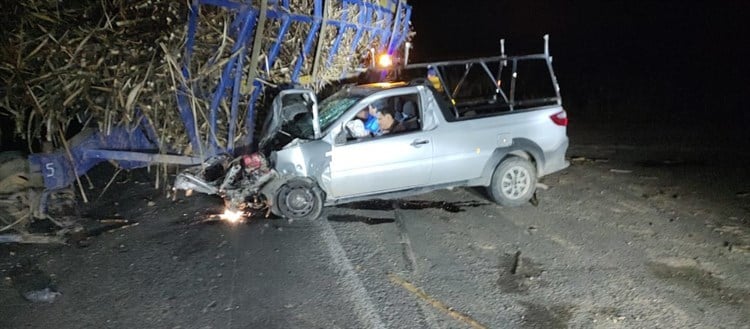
(670, 62)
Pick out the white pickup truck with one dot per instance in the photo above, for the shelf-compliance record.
(423, 135)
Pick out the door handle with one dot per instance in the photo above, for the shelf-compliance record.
(418, 142)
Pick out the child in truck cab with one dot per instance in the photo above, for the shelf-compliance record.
(370, 119)
(365, 124)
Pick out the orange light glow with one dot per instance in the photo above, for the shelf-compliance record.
(385, 61)
(388, 84)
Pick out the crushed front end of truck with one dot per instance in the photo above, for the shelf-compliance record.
(237, 180)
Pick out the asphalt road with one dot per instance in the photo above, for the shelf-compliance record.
(624, 238)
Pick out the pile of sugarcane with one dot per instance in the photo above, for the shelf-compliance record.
(96, 61)
(71, 64)
(87, 61)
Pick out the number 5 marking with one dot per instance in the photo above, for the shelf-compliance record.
(50, 169)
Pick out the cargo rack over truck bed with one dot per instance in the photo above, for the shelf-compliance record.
(493, 85)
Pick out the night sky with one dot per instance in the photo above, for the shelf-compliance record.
(676, 59)
(668, 61)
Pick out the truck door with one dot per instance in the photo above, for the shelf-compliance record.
(294, 115)
(396, 160)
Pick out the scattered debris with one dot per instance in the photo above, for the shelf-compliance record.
(30, 238)
(516, 274)
(534, 200)
(607, 314)
(729, 229)
(435, 303)
(210, 305)
(31, 282)
(542, 186)
(114, 221)
(620, 171)
(742, 248)
(107, 225)
(45, 295)
(516, 263)
(380, 204)
(582, 159)
(363, 219)
(669, 163)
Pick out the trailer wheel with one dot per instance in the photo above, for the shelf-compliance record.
(299, 199)
(513, 182)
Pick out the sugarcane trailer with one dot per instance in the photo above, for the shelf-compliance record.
(383, 25)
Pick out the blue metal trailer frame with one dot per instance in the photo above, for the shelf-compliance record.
(137, 144)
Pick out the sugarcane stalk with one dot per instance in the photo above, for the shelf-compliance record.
(75, 171)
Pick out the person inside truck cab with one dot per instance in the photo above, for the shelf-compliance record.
(365, 124)
(387, 121)
(370, 119)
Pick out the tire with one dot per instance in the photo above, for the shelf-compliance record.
(299, 199)
(513, 182)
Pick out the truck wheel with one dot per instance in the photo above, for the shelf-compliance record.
(299, 199)
(513, 183)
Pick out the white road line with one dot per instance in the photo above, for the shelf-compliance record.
(363, 305)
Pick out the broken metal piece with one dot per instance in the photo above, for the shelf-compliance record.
(45, 295)
(187, 181)
(230, 177)
(30, 238)
(516, 263)
(534, 200)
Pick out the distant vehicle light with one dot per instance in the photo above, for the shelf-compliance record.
(385, 61)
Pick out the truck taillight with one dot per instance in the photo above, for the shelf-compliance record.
(560, 118)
